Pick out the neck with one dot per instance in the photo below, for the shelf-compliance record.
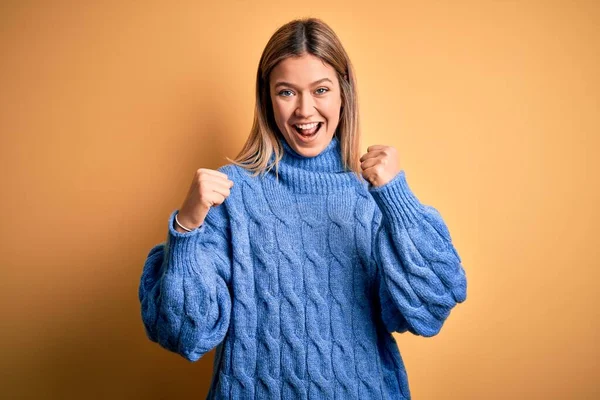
(323, 173)
(328, 160)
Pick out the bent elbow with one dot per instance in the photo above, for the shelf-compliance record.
(192, 356)
(425, 329)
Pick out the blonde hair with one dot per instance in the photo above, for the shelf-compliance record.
(294, 39)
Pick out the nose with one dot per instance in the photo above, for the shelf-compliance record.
(305, 107)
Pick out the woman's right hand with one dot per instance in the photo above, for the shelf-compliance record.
(209, 188)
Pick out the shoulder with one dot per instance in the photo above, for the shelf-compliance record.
(228, 169)
(231, 170)
(242, 180)
(236, 173)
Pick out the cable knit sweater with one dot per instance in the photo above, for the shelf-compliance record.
(299, 283)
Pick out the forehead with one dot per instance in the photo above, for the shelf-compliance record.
(302, 70)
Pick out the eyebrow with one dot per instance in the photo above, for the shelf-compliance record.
(312, 84)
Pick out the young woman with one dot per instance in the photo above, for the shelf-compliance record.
(299, 259)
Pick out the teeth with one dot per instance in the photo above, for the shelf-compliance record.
(307, 126)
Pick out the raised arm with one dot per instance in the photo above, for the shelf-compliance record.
(420, 275)
(184, 295)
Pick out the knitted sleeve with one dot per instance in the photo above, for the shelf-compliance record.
(184, 287)
(420, 276)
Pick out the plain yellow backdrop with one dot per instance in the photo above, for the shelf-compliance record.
(107, 108)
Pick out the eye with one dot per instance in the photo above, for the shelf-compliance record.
(282, 93)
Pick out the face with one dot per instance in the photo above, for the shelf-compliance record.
(305, 90)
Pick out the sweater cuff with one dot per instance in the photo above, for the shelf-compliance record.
(397, 202)
(181, 247)
(180, 235)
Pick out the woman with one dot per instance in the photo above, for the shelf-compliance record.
(299, 259)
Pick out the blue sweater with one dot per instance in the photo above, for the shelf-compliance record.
(299, 283)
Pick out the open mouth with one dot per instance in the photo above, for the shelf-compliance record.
(307, 133)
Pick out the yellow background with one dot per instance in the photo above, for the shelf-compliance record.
(108, 108)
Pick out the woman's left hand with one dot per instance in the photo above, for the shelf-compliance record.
(380, 164)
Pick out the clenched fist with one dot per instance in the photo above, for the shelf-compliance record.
(209, 188)
(380, 164)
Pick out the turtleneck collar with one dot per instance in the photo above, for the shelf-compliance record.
(323, 173)
(328, 160)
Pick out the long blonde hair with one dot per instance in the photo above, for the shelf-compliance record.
(298, 37)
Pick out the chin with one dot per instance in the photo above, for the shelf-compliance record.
(309, 152)
(311, 149)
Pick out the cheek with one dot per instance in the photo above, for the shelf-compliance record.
(281, 117)
(280, 111)
(333, 118)
(333, 109)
